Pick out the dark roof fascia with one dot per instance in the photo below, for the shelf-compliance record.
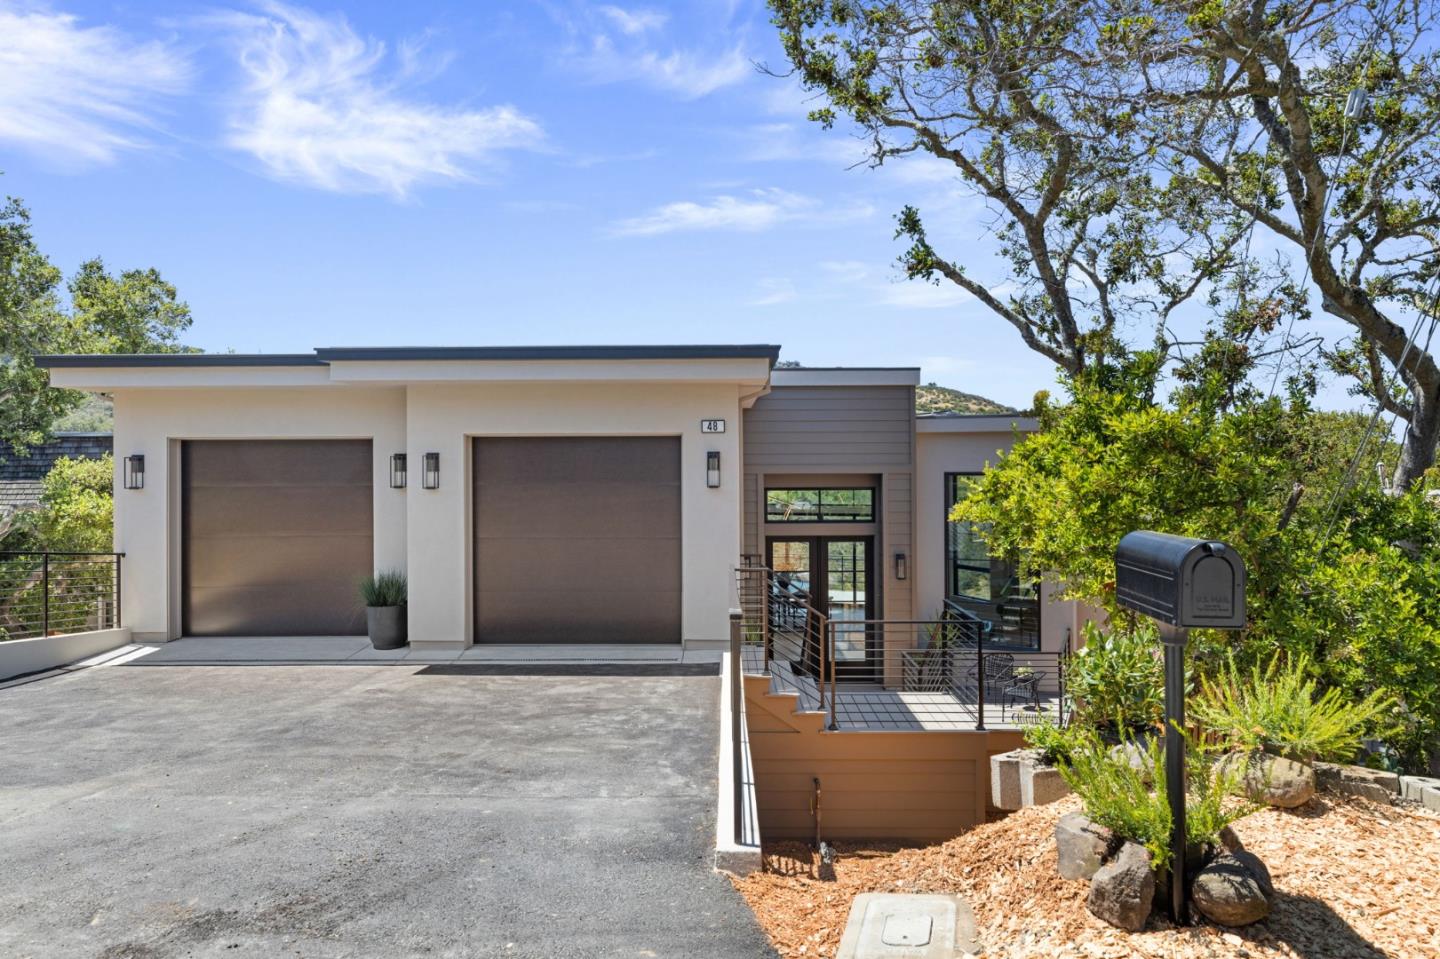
(324, 356)
(176, 360)
(386, 353)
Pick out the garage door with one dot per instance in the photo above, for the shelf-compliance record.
(276, 535)
(577, 540)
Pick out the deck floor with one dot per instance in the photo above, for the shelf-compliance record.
(871, 707)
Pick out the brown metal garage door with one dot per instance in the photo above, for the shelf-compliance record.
(577, 540)
(276, 535)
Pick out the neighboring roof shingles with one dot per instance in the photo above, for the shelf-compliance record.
(21, 476)
(324, 356)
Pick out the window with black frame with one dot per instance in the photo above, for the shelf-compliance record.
(989, 588)
(823, 505)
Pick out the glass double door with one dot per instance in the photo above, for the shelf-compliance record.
(835, 573)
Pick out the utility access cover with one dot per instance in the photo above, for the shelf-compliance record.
(903, 926)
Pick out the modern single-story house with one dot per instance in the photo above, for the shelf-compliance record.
(540, 495)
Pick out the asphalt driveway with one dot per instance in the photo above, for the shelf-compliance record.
(384, 811)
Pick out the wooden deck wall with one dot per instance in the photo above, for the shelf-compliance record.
(921, 787)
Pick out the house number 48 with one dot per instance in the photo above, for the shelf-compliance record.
(712, 426)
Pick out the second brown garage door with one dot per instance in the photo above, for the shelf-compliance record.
(577, 540)
(276, 535)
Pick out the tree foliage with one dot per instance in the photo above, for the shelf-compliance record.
(1128, 150)
(1348, 577)
(76, 511)
(134, 312)
(990, 88)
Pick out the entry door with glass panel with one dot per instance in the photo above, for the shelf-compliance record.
(833, 574)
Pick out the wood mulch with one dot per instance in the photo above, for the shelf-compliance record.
(1354, 880)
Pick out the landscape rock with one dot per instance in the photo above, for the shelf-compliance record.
(1083, 846)
(1123, 890)
(1039, 783)
(1375, 785)
(1412, 788)
(1273, 780)
(1134, 756)
(1258, 869)
(1232, 890)
(1005, 780)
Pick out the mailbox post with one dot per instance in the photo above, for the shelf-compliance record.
(1180, 583)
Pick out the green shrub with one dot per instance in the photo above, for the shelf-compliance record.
(1055, 743)
(76, 512)
(1117, 680)
(384, 588)
(1120, 797)
(1277, 709)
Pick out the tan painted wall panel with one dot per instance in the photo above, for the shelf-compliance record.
(796, 427)
(894, 786)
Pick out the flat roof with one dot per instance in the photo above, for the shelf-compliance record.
(326, 355)
(67, 360)
(845, 376)
(950, 422)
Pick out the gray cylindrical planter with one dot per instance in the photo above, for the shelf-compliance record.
(387, 626)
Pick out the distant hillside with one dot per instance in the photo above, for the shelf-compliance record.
(941, 399)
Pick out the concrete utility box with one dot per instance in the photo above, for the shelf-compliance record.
(1181, 581)
(886, 925)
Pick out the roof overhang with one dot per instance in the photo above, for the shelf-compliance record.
(847, 376)
(976, 423)
(746, 365)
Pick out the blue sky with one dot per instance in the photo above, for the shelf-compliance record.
(482, 173)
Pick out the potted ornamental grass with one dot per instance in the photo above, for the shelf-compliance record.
(384, 596)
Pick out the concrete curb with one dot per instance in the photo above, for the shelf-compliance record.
(21, 657)
(739, 855)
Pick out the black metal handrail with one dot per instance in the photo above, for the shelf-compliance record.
(854, 670)
(52, 592)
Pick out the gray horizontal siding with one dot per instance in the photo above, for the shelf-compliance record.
(802, 426)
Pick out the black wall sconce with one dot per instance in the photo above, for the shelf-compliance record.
(430, 479)
(135, 472)
(902, 566)
(397, 470)
(712, 469)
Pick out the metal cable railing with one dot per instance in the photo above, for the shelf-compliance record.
(46, 593)
(944, 673)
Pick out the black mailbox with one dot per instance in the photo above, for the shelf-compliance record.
(1181, 581)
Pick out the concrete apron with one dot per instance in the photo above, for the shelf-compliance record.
(356, 650)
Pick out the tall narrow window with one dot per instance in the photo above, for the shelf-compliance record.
(990, 588)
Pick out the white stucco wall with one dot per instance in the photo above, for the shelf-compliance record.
(938, 453)
(426, 532)
(152, 422)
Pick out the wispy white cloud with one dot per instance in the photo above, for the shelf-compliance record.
(319, 107)
(755, 211)
(768, 142)
(79, 95)
(688, 73)
(613, 44)
(633, 22)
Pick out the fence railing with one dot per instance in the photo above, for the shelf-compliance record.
(857, 670)
(50, 593)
